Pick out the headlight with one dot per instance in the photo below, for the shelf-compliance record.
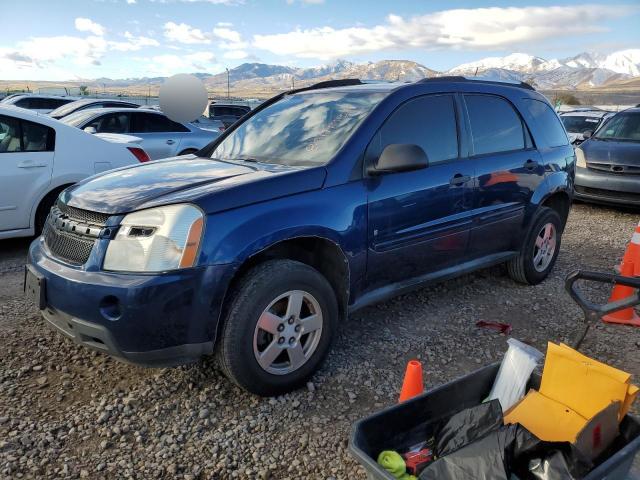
(580, 160)
(157, 239)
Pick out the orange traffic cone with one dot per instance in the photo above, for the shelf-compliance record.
(632, 253)
(628, 316)
(413, 384)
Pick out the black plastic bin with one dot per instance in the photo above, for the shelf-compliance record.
(406, 424)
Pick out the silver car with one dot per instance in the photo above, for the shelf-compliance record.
(161, 137)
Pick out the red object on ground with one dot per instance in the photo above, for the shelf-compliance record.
(500, 327)
(628, 316)
(413, 384)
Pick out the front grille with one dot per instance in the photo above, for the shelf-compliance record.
(71, 248)
(84, 216)
(612, 194)
(70, 232)
(614, 168)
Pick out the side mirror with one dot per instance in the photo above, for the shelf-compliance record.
(587, 134)
(399, 157)
(90, 130)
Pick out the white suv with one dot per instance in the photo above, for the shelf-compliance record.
(41, 156)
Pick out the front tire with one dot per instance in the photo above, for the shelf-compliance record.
(278, 328)
(540, 249)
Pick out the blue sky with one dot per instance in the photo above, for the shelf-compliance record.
(68, 39)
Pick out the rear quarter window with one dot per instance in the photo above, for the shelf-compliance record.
(547, 122)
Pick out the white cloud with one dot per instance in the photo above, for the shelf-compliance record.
(474, 28)
(194, 62)
(131, 2)
(230, 3)
(184, 33)
(308, 2)
(87, 25)
(227, 37)
(228, 34)
(236, 54)
(133, 43)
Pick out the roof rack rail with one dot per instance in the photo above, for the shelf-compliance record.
(460, 78)
(343, 82)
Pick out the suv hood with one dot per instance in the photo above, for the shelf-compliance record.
(611, 152)
(214, 185)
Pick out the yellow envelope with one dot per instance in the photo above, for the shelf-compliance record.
(584, 385)
(546, 419)
(632, 393)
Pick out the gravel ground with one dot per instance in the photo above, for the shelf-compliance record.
(66, 412)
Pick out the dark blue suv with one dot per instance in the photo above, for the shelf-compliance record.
(319, 202)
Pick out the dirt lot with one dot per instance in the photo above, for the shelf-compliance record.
(67, 412)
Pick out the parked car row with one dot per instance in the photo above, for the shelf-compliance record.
(581, 122)
(161, 136)
(41, 156)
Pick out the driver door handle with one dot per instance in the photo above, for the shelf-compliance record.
(459, 179)
(530, 164)
(170, 142)
(30, 164)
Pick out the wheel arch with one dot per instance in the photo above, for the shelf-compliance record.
(46, 193)
(319, 252)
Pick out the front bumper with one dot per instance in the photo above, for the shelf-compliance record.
(147, 319)
(609, 188)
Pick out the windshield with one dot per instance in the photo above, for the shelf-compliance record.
(76, 119)
(579, 124)
(300, 130)
(624, 126)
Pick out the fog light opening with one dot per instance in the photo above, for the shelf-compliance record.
(110, 308)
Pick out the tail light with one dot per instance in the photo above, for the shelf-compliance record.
(139, 153)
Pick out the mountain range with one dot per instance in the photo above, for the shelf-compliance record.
(583, 71)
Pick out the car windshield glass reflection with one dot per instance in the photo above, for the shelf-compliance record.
(300, 130)
(624, 127)
(78, 118)
(575, 124)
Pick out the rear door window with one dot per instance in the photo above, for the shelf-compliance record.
(37, 137)
(429, 122)
(548, 123)
(495, 125)
(9, 135)
(156, 123)
(111, 123)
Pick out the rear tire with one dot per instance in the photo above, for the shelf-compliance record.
(284, 354)
(540, 248)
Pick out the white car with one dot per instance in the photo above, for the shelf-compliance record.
(161, 136)
(41, 156)
(36, 102)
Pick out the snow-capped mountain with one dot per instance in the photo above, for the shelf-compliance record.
(583, 70)
(518, 62)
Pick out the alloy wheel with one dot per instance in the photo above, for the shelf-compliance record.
(288, 332)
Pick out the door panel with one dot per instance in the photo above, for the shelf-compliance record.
(508, 171)
(160, 136)
(419, 221)
(24, 175)
(505, 184)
